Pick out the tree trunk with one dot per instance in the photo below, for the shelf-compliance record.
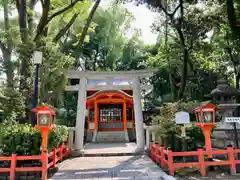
(237, 80)
(7, 49)
(8, 67)
(232, 19)
(22, 19)
(183, 75)
(172, 85)
(32, 4)
(185, 64)
(85, 30)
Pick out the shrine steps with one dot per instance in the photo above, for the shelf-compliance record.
(111, 136)
(108, 150)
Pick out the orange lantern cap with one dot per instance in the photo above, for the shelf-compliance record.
(44, 108)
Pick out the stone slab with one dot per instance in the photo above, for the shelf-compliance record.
(111, 168)
(108, 149)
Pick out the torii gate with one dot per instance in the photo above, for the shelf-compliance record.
(108, 82)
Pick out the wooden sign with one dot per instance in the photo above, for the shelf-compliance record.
(182, 117)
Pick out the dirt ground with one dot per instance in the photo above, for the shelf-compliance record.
(211, 176)
(216, 175)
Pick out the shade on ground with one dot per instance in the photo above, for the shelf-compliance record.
(111, 168)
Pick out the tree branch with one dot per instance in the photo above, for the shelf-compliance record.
(64, 9)
(45, 19)
(170, 14)
(65, 29)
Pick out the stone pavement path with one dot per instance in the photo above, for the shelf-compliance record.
(111, 168)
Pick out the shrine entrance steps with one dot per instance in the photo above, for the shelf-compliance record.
(108, 149)
(111, 136)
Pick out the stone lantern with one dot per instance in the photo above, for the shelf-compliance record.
(225, 97)
(224, 94)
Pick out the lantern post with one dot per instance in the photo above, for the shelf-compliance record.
(45, 119)
(205, 116)
(37, 61)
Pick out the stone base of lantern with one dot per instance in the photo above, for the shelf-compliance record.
(221, 138)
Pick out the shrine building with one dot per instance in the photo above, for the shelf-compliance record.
(112, 103)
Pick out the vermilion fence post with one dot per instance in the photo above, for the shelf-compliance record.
(152, 151)
(61, 153)
(170, 162)
(156, 152)
(201, 162)
(231, 159)
(13, 166)
(162, 156)
(54, 157)
(44, 165)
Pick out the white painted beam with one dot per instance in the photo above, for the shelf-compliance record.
(107, 74)
(107, 87)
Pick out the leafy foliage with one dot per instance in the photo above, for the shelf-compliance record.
(12, 103)
(169, 132)
(22, 139)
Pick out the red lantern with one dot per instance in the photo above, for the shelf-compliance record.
(205, 113)
(45, 117)
(205, 116)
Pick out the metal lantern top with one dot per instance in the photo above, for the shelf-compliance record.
(205, 113)
(45, 116)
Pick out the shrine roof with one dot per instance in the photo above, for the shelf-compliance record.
(109, 91)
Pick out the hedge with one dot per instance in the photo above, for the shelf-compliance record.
(23, 139)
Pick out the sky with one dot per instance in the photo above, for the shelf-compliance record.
(143, 20)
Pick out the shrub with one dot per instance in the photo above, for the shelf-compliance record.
(169, 133)
(22, 139)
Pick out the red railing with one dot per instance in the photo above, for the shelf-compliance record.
(54, 156)
(164, 157)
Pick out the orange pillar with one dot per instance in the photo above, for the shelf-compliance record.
(125, 115)
(207, 130)
(44, 133)
(95, 114)
(89, 114)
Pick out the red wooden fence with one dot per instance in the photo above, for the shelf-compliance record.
(54, 156)
(164, 157)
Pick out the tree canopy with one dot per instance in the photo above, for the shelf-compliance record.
(198, 44)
